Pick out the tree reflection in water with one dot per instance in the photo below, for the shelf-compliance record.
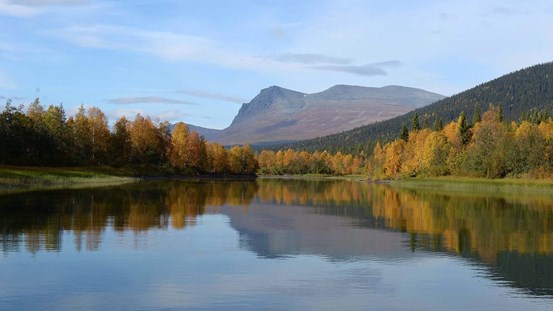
(511, 235)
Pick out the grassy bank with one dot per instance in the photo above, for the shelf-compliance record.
(450, 184)
(17, 179)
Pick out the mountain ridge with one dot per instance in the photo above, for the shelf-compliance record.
(277, 114)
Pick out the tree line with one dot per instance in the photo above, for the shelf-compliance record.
(291, 162)
(43, 136)
(488, 146)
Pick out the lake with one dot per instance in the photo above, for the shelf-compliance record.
(274, 244)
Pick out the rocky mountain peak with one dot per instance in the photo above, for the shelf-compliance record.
(274, 98)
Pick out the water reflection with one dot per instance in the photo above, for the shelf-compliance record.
(512, 237)
(38, 220)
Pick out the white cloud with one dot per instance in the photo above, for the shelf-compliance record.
(42, 3)
(129, 113)
(214, 95)
(30, 8)
(18, 10)
(171, 115)
(309, 58)
(147, 100)
(375, 69)
(169, 46)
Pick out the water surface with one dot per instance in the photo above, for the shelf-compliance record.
(274, 244)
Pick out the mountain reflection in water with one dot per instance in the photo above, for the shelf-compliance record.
(510, 237)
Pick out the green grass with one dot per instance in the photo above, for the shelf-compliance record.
(504, 186)
(17, 179)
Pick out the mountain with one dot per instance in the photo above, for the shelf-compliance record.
(524, 91)
(277, 114)
(207, 133)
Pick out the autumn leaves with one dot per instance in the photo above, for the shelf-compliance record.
(488, 148)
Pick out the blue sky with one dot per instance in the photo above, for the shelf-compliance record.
(197, 61)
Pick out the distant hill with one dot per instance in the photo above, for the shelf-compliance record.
(207, 133)
(277, 114)
(519, 92)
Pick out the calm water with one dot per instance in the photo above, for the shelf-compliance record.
(273, 245)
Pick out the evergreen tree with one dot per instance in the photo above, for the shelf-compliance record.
(438, 124)
(415, 125)
(426, 121)
(404, 134)
(476, 116)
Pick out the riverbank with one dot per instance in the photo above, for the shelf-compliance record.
(452, 184)
(20, 179)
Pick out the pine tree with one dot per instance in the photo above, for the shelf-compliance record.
(438, 124)
(426, 121)
(404, 134)
(476, 117)
(415, 125)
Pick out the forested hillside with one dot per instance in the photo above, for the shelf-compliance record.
(521, 95)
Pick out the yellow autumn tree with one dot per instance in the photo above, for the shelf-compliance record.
(100, 134)
(376, 167)
(147, 142)
(393, 155)
(546, 130)
(435, 154)
(179, 146)
(217, 158)
(413, 150)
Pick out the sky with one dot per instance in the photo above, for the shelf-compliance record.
(198, 61)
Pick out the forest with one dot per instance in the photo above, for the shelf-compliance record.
(488, 146)
(522, 92)
(46, 137)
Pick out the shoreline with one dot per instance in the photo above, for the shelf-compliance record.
(15, 179)
(475, 185)
(23, 179)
